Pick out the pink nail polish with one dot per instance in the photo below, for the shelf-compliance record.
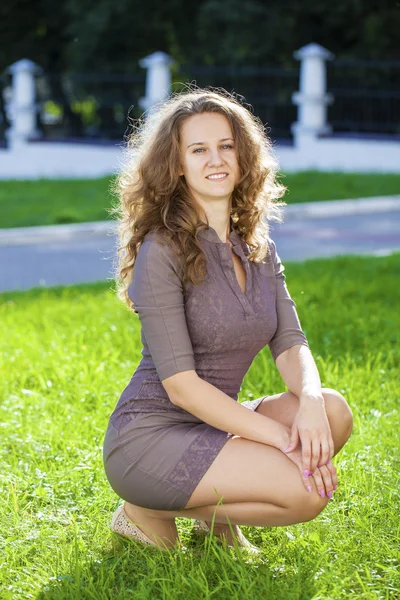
(330, 494)
(309, 488)
(322, 493)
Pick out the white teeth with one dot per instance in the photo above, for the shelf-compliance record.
(221, 176)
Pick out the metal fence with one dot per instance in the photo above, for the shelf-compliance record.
(96, 106)
(88, 105)
(268, 90)
(4, 122)
(366, 96)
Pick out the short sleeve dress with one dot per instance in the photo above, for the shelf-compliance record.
(155, 453)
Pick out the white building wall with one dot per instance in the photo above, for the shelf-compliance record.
(341, 154)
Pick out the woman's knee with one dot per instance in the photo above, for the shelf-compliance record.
(305, 506)
(338, 409)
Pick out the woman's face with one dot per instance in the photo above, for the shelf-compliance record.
(208, 156)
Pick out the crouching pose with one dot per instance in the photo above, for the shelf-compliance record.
(197, 264)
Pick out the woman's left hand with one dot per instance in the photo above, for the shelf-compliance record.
(311, 427)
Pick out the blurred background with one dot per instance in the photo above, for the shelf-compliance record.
(323, 78)
(88, 74)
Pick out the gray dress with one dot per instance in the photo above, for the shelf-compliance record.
(155, 453)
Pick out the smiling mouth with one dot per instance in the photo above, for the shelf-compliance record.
(217, 177)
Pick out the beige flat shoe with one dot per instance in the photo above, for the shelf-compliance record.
(121, 524)
(242, 540)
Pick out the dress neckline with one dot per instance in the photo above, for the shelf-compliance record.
(211, 236)
(224, 250)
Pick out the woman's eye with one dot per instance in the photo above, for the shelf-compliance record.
(224, 146)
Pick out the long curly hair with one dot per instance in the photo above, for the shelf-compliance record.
(151, 196)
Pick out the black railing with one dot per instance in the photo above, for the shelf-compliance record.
(366, 96)
(88, 105)
(92, 106)
(4, 122)
(268, 90)
(97, 106)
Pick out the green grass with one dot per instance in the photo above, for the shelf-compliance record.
(49, 202)
(67, 354)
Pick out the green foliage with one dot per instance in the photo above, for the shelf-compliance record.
(53, 109)
(66, 355)
(87, 110)
(106, 36)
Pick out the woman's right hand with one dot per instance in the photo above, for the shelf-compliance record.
(325, 477)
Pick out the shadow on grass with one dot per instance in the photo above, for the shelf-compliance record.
(204, 568)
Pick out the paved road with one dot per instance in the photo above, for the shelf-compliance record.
(90, 257)
(377, 234)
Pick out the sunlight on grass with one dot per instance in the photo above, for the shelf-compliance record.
(67, 353)
(52, 201)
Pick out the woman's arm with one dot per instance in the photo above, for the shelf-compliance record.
(310, 426)
(290, 351)
(211, 405)
(299, 372)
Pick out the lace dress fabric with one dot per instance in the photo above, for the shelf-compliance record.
(215, 329)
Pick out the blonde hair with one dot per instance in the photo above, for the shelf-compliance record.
(153, 197)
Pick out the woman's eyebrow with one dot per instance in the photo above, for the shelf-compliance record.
(202, 143)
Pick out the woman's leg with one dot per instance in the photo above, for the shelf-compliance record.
(154, 525)
(258, 484)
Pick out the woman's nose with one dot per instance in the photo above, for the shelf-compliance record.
(215, 158)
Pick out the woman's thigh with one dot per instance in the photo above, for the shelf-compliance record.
(248, 471)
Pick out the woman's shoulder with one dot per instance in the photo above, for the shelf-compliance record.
(156, 237)
(155, 268)
(156, 248)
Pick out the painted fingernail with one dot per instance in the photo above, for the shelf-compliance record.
(330, 494)
(322, 493)
(309, 488)
(335, 487)
(306, 473)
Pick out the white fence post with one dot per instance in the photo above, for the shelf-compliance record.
(22, 108)
(312, 98)
(158, 79)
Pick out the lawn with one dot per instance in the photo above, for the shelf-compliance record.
(67, 353)
(48, 202)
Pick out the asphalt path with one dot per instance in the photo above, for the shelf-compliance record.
(90, 257)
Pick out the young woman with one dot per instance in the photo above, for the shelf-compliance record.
(197, 265)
